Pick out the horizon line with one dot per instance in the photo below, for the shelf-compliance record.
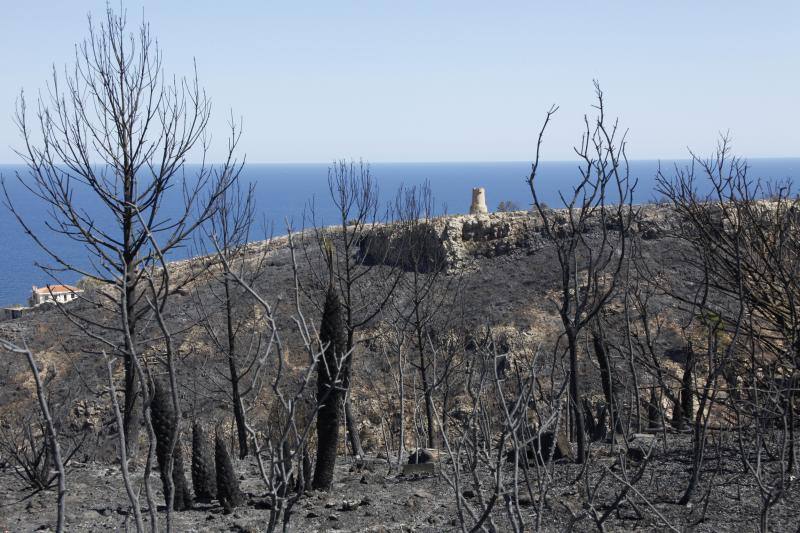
(449, 161)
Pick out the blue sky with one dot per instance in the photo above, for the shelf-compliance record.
(451, 80)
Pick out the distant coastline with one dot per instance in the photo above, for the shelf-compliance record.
(284, 191)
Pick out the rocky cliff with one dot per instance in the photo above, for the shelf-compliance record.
(459, 240)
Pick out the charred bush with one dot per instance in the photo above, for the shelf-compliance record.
(204, 476)
(332, 381)
(165, 425)
(228, 492)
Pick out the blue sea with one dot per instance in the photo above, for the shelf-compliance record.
(283, 192)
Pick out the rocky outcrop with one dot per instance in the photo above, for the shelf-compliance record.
(454, 241)
(460, 239)
(467, 237)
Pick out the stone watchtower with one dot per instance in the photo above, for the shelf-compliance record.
(478, 201)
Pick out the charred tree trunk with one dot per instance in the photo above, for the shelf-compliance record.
(131, 408)
(791, 422)
(236, 397)
(588, 416)
(131, 416)
(351, 420)
(304, 479)
(687, 386)
(678, 420)
(426, 391)
(352, 428)
(655, 419)
(608, 386)
(575, 395)
(332, 379)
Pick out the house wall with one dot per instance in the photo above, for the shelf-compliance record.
(38, 298)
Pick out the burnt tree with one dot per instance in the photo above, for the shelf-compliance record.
(106, 153)
(590, 236)
(225, 309)
(363, 292)
(333, 376)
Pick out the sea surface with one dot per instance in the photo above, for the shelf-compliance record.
(285, 191)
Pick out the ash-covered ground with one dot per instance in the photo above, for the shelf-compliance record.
(371, 495)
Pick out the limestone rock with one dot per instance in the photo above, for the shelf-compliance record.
(458, 240)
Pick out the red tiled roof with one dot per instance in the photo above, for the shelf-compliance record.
(56, 289)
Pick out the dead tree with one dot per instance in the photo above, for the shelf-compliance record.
(507, 420)
(106, 151)
(363, 291)
(753, 438)
(590, 236)
(646, 316)
(424, 295)
(52, 447)
(224, 309)
(742, 233)
(281, 452)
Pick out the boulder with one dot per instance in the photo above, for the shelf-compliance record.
(420, 456)
(547, 447)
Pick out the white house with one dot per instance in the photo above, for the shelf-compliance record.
(53, 293)
(15, 311)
